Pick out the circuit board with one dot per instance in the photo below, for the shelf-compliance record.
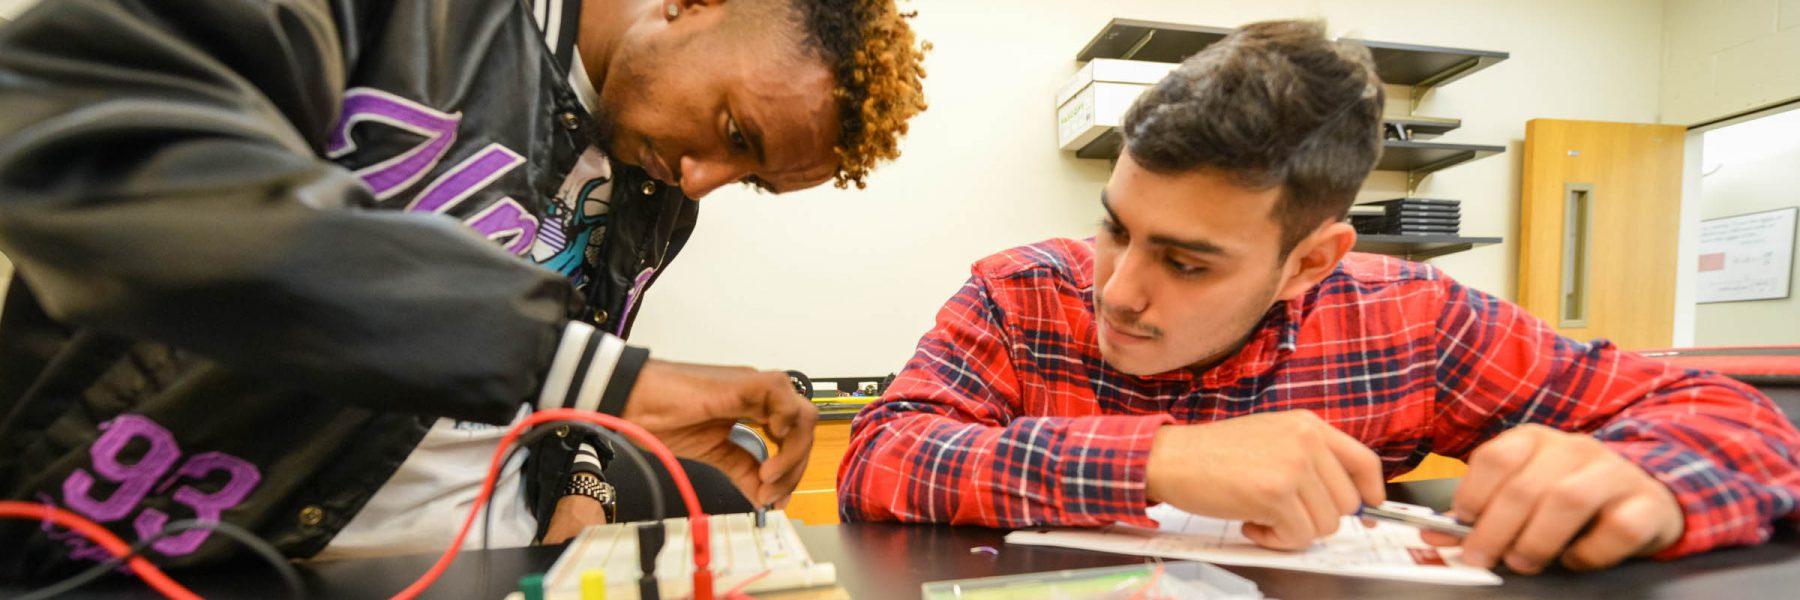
(740, 551)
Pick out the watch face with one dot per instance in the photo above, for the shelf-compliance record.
(606, 493)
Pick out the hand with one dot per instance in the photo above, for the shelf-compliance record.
(691, 408)
(1537, 494)
(1289, 476)
(574, 512)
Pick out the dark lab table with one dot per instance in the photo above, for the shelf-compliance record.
(882, 561)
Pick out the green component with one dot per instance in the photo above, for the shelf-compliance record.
(532, 586)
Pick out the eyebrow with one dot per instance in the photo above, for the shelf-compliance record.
(1201, 246)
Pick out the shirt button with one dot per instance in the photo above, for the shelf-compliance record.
(571, 121)
(312, 516)
(562, 432)
(649, 188)
(600, 315)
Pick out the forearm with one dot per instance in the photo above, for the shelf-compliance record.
(1727, 454)
(921, 467)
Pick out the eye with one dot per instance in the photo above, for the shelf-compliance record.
(1184, 269)
(733, 135)
(1113, 230)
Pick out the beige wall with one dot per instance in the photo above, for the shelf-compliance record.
(837, 283)
(1750, 168)
(11, 8)
(1724, 57)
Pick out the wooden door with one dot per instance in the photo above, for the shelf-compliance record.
(1599, 215)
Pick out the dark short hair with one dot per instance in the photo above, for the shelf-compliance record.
(1273, 104)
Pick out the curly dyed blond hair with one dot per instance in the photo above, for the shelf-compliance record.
(879, 68)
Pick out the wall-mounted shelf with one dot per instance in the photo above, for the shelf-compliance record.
(1417, 158)
(1132, 39)
(1420, 159)
(1419, 247)
(1398, 64)
(1409, 127)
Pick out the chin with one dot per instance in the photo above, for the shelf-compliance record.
(1124, 363)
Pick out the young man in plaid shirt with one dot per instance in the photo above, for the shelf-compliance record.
(1219, 348)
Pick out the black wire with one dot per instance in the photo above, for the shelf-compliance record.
(531, 436)
(268, 553)
(538, 431)
(637, 457)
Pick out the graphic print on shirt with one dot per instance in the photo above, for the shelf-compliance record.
(576, 219)
(557, 239)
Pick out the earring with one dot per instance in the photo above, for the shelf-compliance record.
(674, 9)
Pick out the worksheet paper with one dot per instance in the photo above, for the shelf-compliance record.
(1386, 551)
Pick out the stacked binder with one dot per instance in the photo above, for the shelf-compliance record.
(1408, 216)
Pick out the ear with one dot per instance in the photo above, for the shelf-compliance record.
(1315, 257)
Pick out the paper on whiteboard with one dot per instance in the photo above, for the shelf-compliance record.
(1746, 257)
(1386, 551)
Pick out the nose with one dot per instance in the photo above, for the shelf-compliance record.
(1125, 289)
(700, 177)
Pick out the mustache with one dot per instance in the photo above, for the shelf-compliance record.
(1128, 322)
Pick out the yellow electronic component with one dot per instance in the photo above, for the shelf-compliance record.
(593, 584)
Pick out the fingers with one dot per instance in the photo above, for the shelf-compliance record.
(1288, 527)
(1623, 530)
(768, 399)
(1565, 508)
(738, 465)
(1501, 517)
(1360, 465)
(791, 425)
(789, 420)
(1490, 466)
(1320, 507)
(782, 472)
(1346, 496)
(1434, 538)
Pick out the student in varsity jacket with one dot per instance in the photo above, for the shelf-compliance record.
(293, 264)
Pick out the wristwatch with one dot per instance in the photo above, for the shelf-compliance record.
(582, 483)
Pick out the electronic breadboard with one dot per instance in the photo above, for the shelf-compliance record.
(772, 554)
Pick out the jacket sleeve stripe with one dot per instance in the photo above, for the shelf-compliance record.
(562, 367)
(599, 370)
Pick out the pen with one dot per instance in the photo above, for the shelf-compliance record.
(1420, 518)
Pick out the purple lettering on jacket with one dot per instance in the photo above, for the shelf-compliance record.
(136, 480)
(241, 478)
(394, 175)
(507, 223)
(464, 179)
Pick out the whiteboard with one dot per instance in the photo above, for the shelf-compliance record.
(1747, 257)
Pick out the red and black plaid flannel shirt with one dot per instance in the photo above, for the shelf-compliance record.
(1007, 417)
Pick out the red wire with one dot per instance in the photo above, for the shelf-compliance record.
(1150, 588)
(99, 535)
(737, 591)
(697, 523)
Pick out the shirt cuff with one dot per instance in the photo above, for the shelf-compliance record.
(1106, 468)
(592, 371)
